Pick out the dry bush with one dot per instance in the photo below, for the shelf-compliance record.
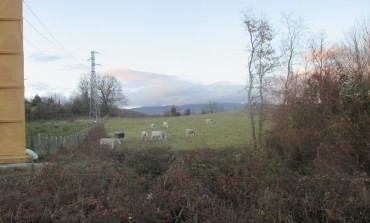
(89, 184)
(324, 128)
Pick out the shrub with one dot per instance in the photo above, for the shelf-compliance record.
(89, 184)
(152, 162)
(323, 130)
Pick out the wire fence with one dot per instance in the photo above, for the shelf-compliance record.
(45, 144)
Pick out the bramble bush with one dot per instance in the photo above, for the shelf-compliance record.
(89, 184)
(324, 127)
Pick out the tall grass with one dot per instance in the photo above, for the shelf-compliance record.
(229, 130)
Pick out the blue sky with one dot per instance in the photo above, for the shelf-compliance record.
(162, 51)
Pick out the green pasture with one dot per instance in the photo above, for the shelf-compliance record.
(56, 127)
(229, 130)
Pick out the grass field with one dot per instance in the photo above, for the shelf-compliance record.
(42, 130)
(56, 127)
(229, 130)
(173, 181)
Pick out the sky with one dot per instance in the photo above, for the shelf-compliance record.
(163, 52)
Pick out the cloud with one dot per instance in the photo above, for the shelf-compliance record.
(40, 57)
(148, 89)
(77, 66)
(43, 89)
(151, 89)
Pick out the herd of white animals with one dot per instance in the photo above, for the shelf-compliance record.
(118, 136)
(156, 135)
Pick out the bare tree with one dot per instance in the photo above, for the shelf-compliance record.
(81, 98)
(321, 55)
(292, 36)
(324, 125)
(262, 60)
(212, 106)
(356, 50)
(110, 93)
(174, 111)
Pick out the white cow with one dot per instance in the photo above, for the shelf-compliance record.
(209, 121)
(144, 135)
(190, 132)
(153, 126)
(158, 135)
(112, 142)
(165, 125)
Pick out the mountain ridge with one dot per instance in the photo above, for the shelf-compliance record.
(194, 108)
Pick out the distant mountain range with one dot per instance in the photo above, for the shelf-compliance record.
(194, 108)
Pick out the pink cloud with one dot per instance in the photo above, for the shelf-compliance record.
(146, 88)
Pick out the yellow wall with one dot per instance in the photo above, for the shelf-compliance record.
(12, 118)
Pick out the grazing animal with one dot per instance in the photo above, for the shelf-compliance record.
(153, 126)
(165, 125)
(158, 135)
(190, 132)
(119, 135)
(144, 135)
(209, 121)
(112, 142)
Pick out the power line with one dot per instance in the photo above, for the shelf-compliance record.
(43, 35)
(55, 42)
(42, 52)
(38, 19)
(34, 46)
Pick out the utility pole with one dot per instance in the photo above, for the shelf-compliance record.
(93, 113)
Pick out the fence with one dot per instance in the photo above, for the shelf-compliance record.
(45, 145)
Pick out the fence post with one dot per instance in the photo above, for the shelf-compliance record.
(47, 142)
(39, 141)
(32, 142)
(51, 142)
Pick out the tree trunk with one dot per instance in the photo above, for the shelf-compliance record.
(260, 112)
(251, 113)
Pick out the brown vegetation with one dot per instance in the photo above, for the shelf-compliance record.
(89, 184)
(324, 125)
